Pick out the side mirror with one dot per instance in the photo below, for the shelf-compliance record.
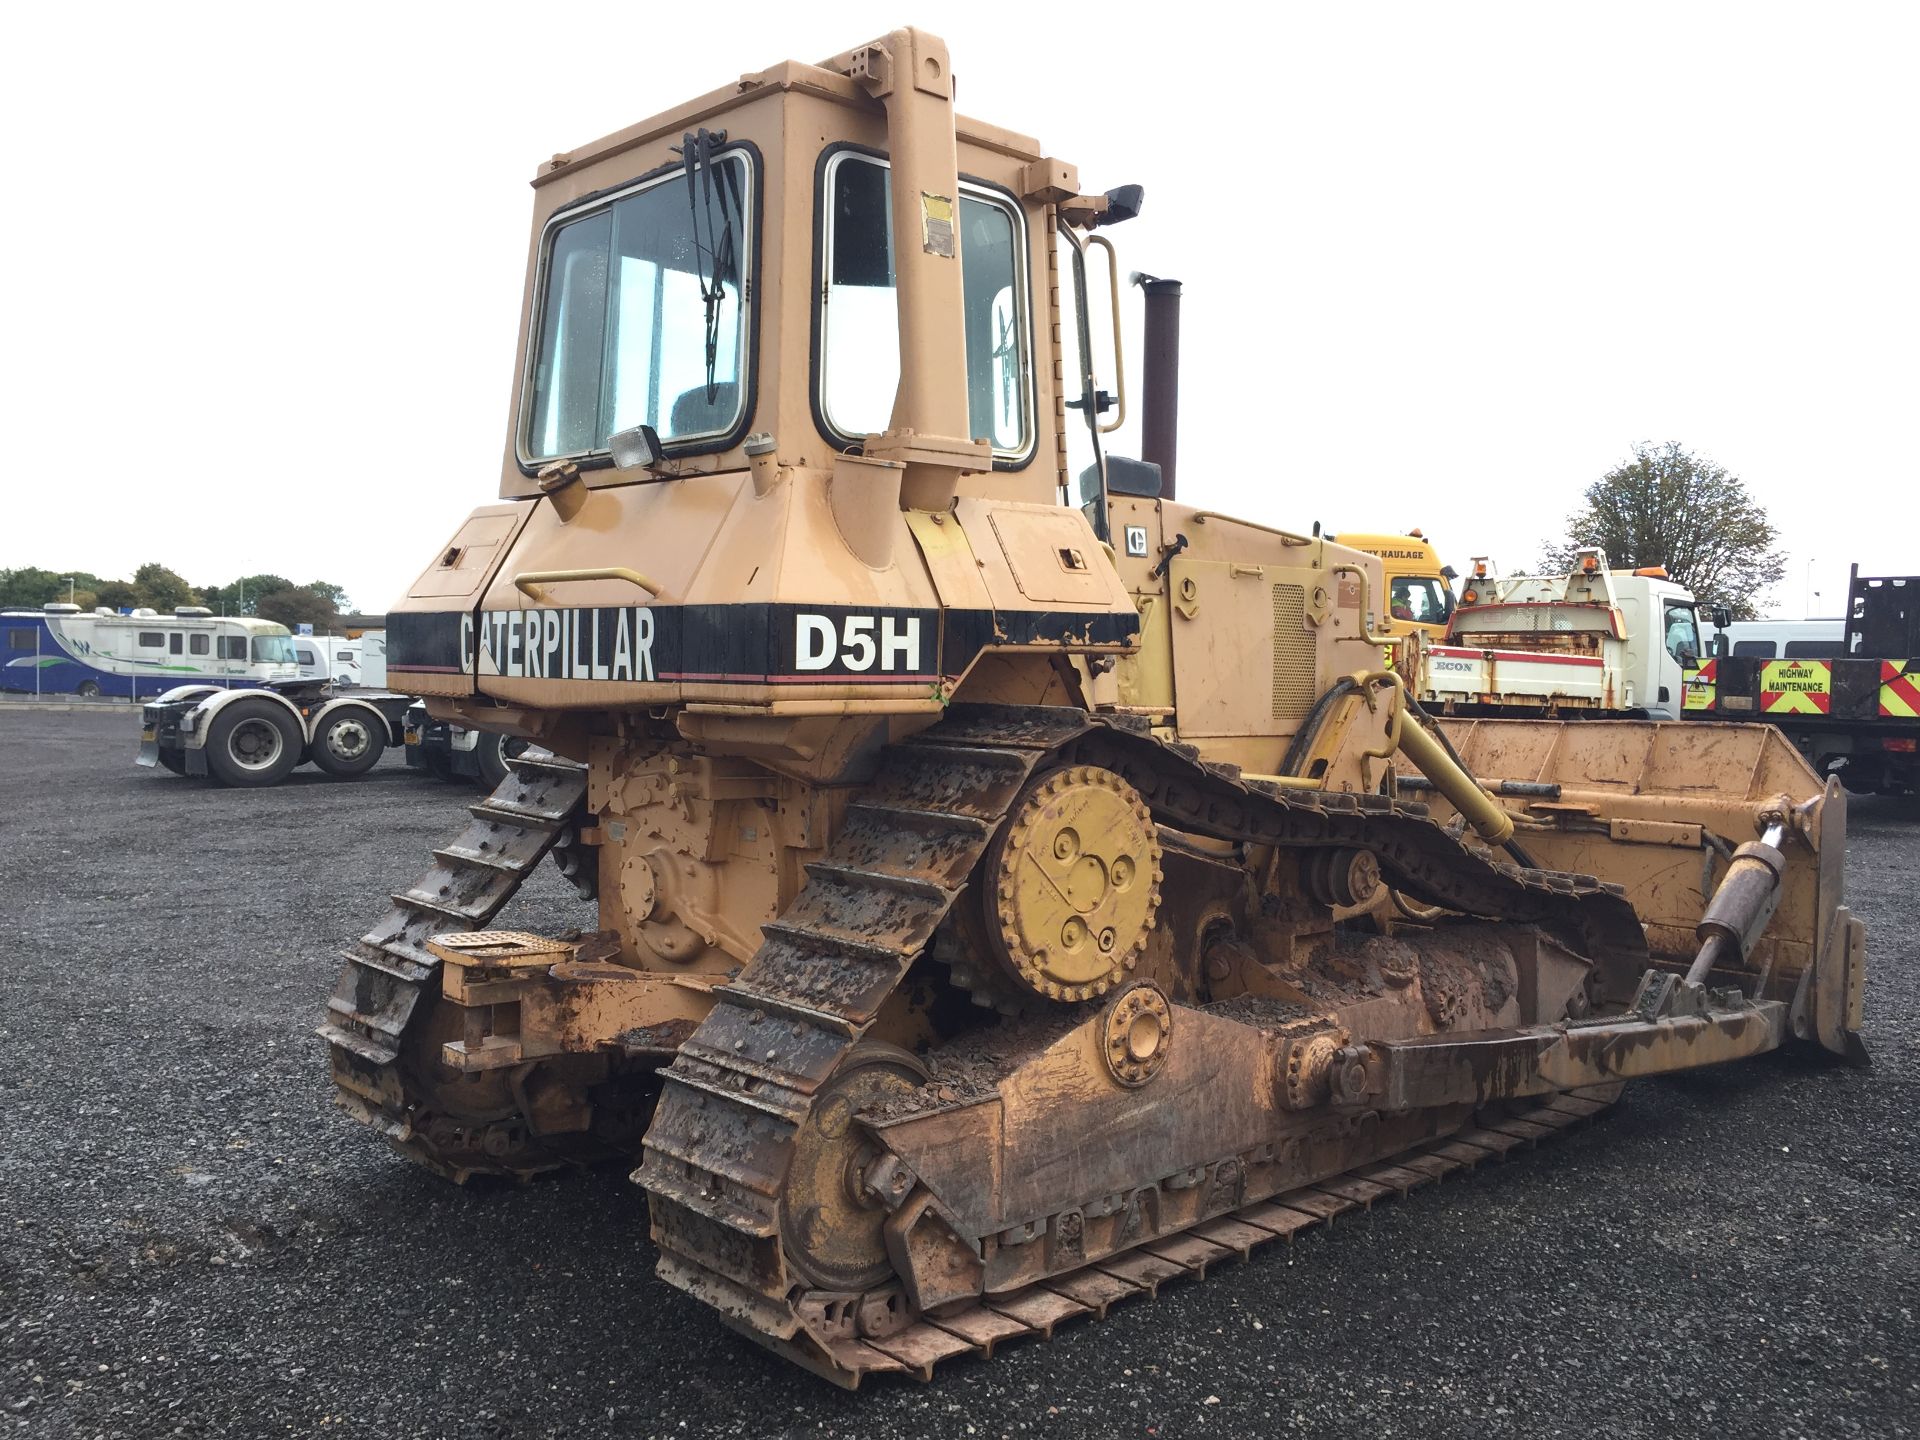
(1123, 203)
(1722, 617)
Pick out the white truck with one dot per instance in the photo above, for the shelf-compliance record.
(1594, 642)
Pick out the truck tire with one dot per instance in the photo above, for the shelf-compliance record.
(252, 743)
(349, 741)
(88, 690)
(491, 755)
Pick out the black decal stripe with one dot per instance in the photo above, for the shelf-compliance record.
(740, 644)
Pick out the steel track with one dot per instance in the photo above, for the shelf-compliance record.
(715, 1157)
(389, 971)
(1093, 1289)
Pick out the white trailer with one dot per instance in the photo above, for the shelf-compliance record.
(1595, 642)
(337, 659)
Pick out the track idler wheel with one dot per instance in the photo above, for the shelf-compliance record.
(1072, 884)
(830, 1224)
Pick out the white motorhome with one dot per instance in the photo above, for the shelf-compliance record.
(62, 649)
(1594, 641)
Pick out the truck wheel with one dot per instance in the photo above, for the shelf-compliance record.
(491, 755)
(348, 742)
(87, 690)
(253, 743)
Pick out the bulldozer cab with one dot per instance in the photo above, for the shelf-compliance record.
(731, 268)
(814, 388)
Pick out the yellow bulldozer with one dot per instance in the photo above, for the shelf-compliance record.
(1016, 887)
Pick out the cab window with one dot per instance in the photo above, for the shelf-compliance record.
(1423, 599)
(643, 317)
(859, 364)
(1683, 634)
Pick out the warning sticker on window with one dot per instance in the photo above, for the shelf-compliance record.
(936, 215)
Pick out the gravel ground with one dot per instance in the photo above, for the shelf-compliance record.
(196, 1243)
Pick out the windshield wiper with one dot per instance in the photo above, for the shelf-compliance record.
(713, 194)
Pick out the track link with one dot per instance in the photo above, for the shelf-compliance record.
(375, 1010)
(715, 1156)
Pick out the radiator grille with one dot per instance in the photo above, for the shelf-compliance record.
(1293, 665)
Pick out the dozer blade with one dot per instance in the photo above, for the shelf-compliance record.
(1659, 808)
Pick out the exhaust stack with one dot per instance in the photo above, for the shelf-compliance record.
(1160, 379)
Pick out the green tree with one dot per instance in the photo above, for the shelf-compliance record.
(162, 588)
(240, 596)
(116, 594)
(301, 605)
(29, 587)
(1668, 506)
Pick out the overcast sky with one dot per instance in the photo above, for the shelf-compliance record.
(1444, 264)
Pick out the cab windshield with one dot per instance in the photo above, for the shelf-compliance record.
(273, 650)
(1423, 599)
(641, 318)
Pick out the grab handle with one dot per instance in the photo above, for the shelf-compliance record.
(528, 582)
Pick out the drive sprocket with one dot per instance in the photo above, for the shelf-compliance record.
(1071, 886)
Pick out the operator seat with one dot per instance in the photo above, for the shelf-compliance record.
(694, 414)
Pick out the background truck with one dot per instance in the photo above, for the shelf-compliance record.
(257, 736)
(1592, 643)
(1420, 595)
(1850, 703)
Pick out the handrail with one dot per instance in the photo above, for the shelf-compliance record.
(1119, 350)
(528, 582)
(1366, 606)
(1200, 517)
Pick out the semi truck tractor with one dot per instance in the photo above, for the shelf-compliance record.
(259, 735)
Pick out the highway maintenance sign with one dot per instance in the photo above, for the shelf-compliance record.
(1796, 687)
